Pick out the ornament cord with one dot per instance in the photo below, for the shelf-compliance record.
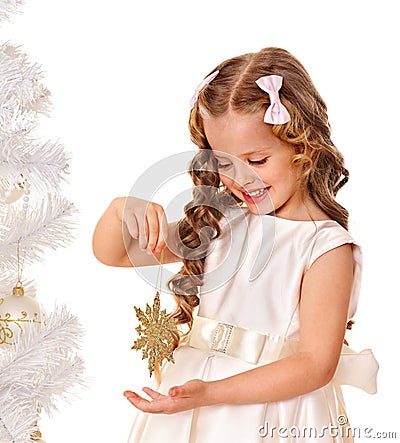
(159, 273)
(20, 264)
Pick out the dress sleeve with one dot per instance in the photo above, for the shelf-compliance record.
(330, 237)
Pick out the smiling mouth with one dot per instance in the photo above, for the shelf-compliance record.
(256, 195)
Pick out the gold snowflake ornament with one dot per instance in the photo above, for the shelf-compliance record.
(155, 334)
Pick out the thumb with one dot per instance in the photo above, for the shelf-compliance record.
(175, 391)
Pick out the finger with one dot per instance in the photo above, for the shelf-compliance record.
(140, 218)
(163, 236)
(154, 406)
(153, 394)
(132, 225)
(189, 389)
(173, 392)
(158, 240)
(128, 217)
(152, 227)
(177, 391)
(130, 394)
(139, 402)
(136, 399)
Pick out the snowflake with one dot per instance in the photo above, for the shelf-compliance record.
(155, 334)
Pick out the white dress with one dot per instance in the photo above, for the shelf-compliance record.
(252, 279)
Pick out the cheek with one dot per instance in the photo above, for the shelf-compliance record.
(226, 180)
(283, 172)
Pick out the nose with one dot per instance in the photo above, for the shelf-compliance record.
(244, 176)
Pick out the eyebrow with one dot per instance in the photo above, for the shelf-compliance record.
(221, 154)
(257, 151)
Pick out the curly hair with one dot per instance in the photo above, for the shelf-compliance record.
(308, 131)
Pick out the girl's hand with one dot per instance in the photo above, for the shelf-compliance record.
(190, 395)
(145, 222)
(129, 228)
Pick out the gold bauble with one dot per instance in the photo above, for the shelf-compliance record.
(36, 436)
(18, 314)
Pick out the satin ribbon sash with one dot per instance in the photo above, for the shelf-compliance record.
(357, 369)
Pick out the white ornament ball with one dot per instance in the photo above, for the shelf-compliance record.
(19, 313)
(10, 192)
(11, 196)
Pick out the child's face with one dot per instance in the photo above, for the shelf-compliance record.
(251, 160)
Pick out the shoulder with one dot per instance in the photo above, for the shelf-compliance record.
(334, 260)
(330, 235)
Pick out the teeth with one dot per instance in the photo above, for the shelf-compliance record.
(256, 193)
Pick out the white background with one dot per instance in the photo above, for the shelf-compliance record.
(121, 74)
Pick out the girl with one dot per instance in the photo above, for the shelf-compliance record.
(276, 278)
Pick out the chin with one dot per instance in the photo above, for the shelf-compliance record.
(261, 209)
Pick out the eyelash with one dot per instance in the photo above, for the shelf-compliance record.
(221, 166)
(258, 162)
(251, 162)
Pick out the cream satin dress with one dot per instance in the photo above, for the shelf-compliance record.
(249, 316)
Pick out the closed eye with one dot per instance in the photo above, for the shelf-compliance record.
(223, 165)
(258, 162)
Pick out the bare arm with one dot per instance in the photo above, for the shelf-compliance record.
(133, 232)
(324, 304)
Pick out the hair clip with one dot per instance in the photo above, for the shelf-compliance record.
(276, 113)
(201, 86)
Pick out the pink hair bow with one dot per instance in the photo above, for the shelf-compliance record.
(201, 86)
(276, 113)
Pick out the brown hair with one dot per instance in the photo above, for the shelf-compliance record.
(308, 131)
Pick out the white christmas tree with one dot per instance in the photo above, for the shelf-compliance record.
(39, 361)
